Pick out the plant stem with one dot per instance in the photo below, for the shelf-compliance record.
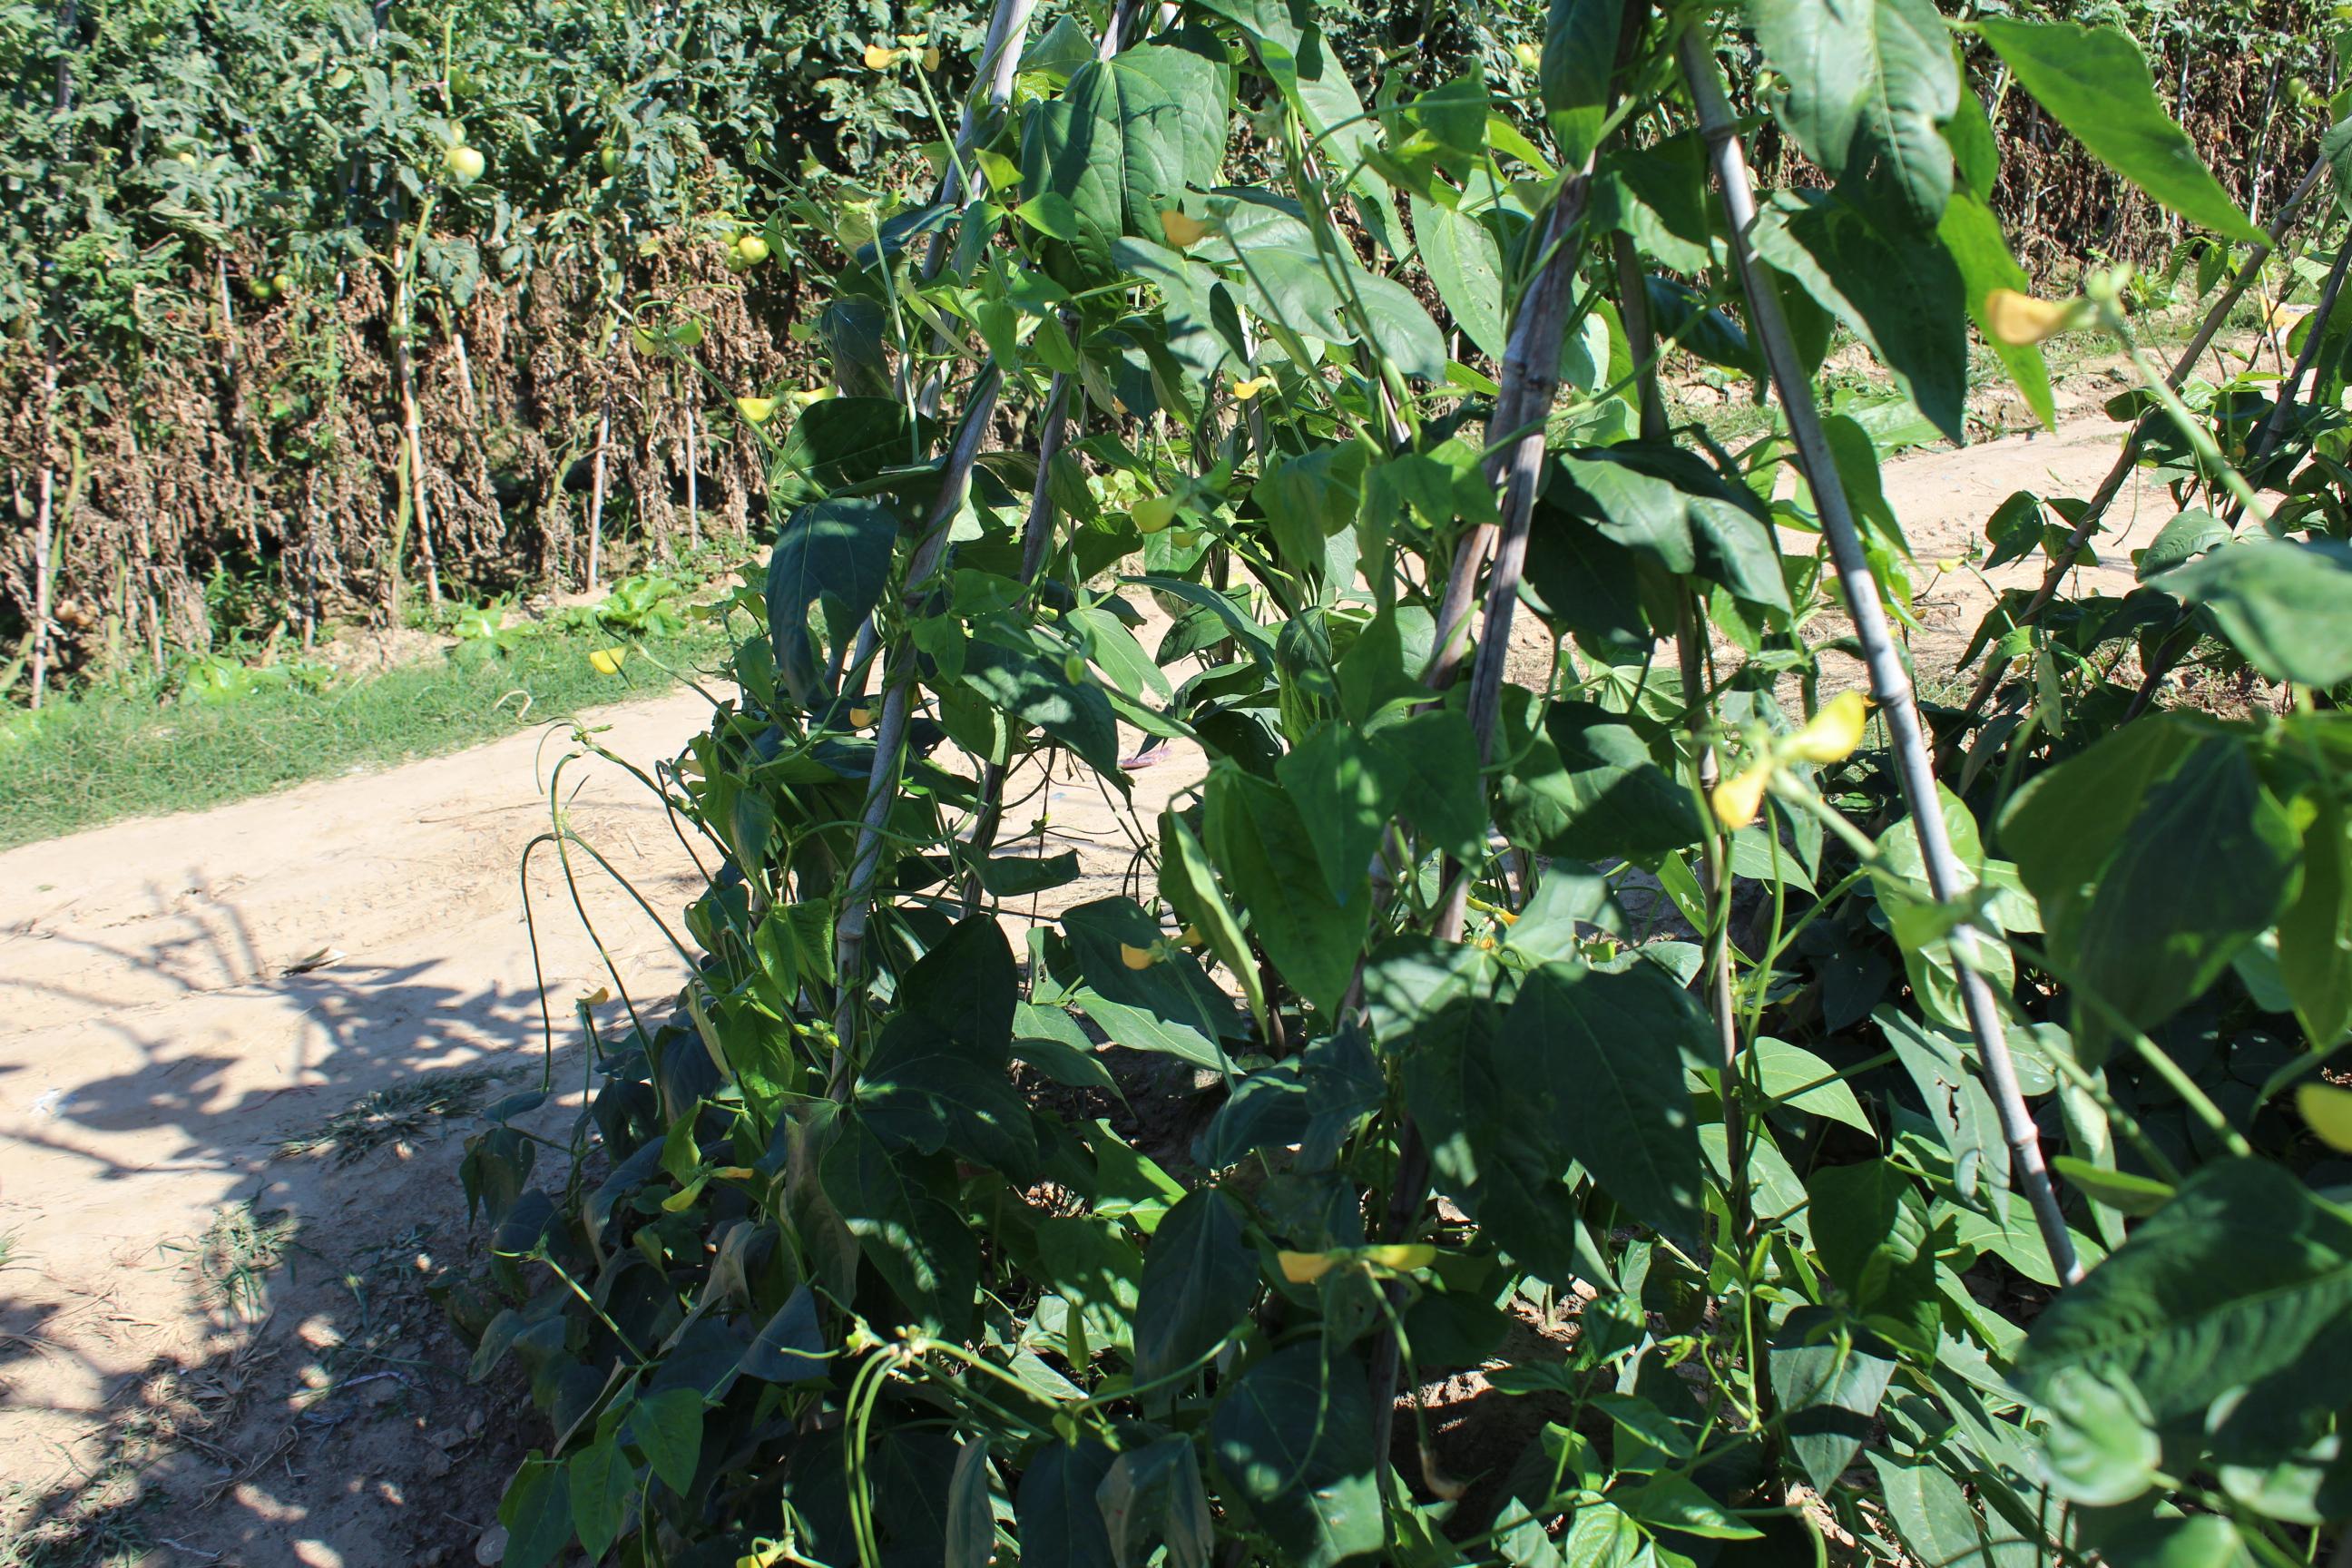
(1890, 682)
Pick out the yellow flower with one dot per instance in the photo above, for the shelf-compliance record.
(878, 59)
(1190, 937)
(607, 660)
(1418, 1255)
(756, 409)
(1833, 733)
(2019, 320)
(815, 394)
(1153, 513)
(930, 60)
(1139, 957)
(1183, 231)
(1305, 1267)
(1736, 800)
(860, 717)
(1246, 390)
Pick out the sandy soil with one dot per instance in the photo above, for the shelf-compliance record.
(214, 1342)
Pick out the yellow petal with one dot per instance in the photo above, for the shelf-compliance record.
(2329, 1112)
(1305, 1267)
(598, 997)
(1833, 732)
(1419, 1255)
(1137, 957)
(879, 58)
(2019, 320)
(860, 717)
(756, 409)
(1182, 230)
(1246, 390)
(930, 60)
(1736, 800)
(607, 660)
(1192, 937)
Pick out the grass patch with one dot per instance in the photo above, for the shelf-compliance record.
(406, 1109)
(87, 762)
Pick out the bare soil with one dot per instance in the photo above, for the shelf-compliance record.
(236, 1052)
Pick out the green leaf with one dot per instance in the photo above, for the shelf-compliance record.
(1466, 265)
(1898, 290)
(1869, 82)
(1658, 195)
(2226, 1284)
(1676, 1502)
(926, 1090)
(2315, 933)
(1169, 1007)
(1346, 791)
(2187, 536)
(1436, 756)
(837, 552)
(917, 1242)
(2286, 606)
(1608, 1048)
(1087, 1263)
(1827, 1379)
(1189, 883)
(1580, 51)
(1932, 1517)
(1055, 1508)
(840, 442)
(537, 1512)
(1291, 287)
(1265, 854)
(1293, 1437)
(599, 1478)
(1152, 1496)
(1039, 692)
(2094, 82)
(1870, 1227)
(2138, 1196)
(971, 1533)
(1615, 800)
(2202, 1541)
(1124, 142)
(1200, 1279)
(1793, 1075)
(1972, 234)
(667, 1429)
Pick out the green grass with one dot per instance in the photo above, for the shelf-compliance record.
(87, 762)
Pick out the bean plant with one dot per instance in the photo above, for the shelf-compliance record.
(1658, 1093)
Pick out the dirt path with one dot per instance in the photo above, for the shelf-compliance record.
(215, 1339)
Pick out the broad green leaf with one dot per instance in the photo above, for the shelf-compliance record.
(2137, 1196)
(1828, 1376)
(1672, 506)
(1972, 234)
(1658, 195)
(970, 1534)
(840, 442)
(1870, 1227)
(2094, 82)
(1899, 291)
(537, 1512)
(1870, 81)
(914, 1239)
(1291, 287)
(1055, 1510)
(1793, 1075)
(1152, 1496)
(1293, 1437)
(1933, 1517)
(1346, 790)
(1580, 51)
(1466, 265)
(1676, 1502)
(1169, 1006)
(2286, 606)
(599, 1478)
(1199, 1278)
(2100, 1446)
(1126, 142)
(2315, 933)
(667, 1428)
(1265, 855)
(922, 1088)
(790, 1347)
(1608, 1050)
(1437, 756)
(836, 554)
(2200, 1540)
(1087, 1263)
(1037, 690)
(2227, 1284)
(1614, 798)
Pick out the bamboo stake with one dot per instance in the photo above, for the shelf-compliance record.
(2126, 460)
(403, 325)
(1890, 683)
(596, 492)
(693, 504)
(43, 544)
(890, 734)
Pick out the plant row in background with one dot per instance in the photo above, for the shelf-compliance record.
(309, 313)
(1673, 1101)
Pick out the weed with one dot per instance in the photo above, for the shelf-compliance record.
(406, 1109)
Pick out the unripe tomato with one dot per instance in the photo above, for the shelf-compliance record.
(465, 164)
(1153, 513)
(609, 160)
(751, 249)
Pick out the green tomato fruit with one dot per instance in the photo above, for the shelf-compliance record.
(281, 285)
(1153, 513)
(465, 164)
(751, 249)
(1185, 538)
(609, 160)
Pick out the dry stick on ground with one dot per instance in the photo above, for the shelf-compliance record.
(2061, 562)
(890, 734)
(2181, 636)
(1889, 682)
